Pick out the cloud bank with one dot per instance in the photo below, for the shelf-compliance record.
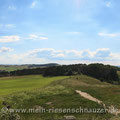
(46, 55)
(5, 49)
(36, 37)
(7, 39)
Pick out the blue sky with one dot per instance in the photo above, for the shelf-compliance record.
(61, 31)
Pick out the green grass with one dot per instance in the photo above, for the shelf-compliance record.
(108, 93)
(9, 85)
(35, 90)
(118, 72)
(13, 67)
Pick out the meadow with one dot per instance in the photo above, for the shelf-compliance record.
(9, 85)
(13, 67)
(58, 92)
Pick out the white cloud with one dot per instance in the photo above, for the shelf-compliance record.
(109, 4)
(43, 38)
(50, 53)
(115, 56)
(59, 55)
(34, 37)
(73, 33)
(86, 54)
(108, 34)
(5, 49)
(6, 39)
(23, 59)
(11, 7)
(34, 3)
(45, 55)
(103, 53)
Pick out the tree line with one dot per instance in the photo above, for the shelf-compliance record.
(100, 71)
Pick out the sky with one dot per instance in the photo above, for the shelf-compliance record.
(59, 31)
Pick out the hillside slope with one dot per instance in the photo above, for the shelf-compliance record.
(61, 94)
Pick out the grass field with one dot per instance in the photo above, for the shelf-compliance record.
(13, 67)
(31, 91)
(9, 85)
(118, 72)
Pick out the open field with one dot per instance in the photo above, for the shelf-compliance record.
(8, 85)
(26, 66)
(118, 72)
(58, 92)
(13, 67)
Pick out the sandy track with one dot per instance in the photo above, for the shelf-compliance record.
(110, 109)
(89, 97)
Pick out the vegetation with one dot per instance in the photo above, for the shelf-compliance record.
(61, 94)
(118, 72)
(54, 87)
(102, 72)
(26, 66)
(9, 85)
(12, 67)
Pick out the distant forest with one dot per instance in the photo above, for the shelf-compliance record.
(102, 72)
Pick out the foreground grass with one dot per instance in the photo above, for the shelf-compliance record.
(108, 93)
(59, 92)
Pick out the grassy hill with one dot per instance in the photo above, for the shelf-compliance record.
(58, 92)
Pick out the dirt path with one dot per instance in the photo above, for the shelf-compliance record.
(89, 97)
(110, 109)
